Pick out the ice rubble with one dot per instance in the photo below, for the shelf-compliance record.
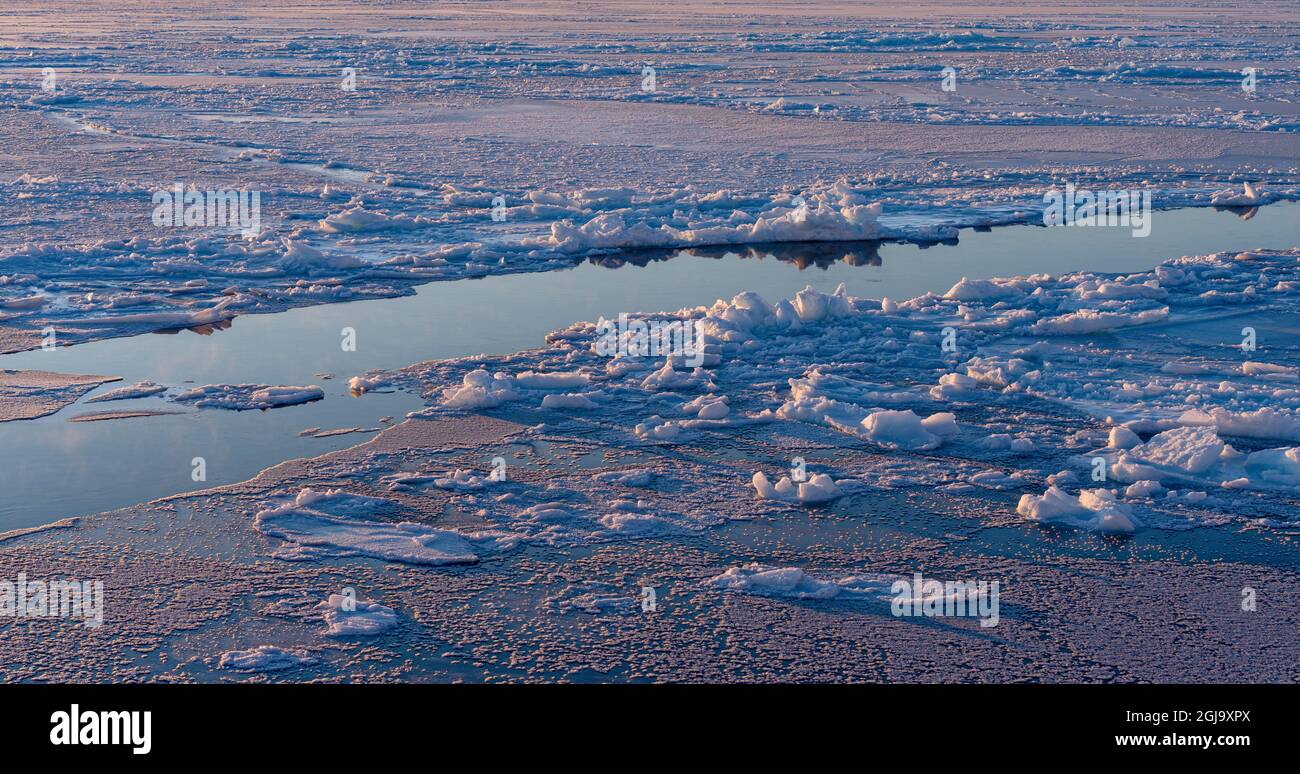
(708, 407)
(459, 480)
(871, 375)
(996, 480)
(853, 218)
(625, 524)
(479, 390)
(656, 428)
(1249, 196)
(1004, 442)
(208, 280)
(905, 430)
(885, 427)
(1180, 452)
(359, 219)
(982, 290)
(1195, 455)
(669, 378)
(569, 401)
(301, 258)
(592, 598)
(1265, 422)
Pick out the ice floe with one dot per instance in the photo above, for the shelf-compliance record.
(347, 616)
(793, 583)
(767, 581)
(246, 397)
(1092, 509)
(309, 520)
(139, 390)
(817, 489)
(1249, 196)
(263, 658)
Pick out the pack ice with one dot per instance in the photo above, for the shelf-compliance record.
(1078, 368)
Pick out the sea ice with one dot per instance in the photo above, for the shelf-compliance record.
(481, 390)
(1179, 453)
(346, 616)
(905, 430)
(33, 394)
(1249, 196)
(263, 658)
(304, 521)
(767, 581)
(246, 397)
(1093, 509)
(139, 390)
(818, 488)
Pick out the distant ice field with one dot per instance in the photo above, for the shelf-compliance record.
(378, 150)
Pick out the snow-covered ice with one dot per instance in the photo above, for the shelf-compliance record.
(263, 658)
(367, 192)
(347, 616)
(246, 397)
(774, 581)
(309, 520)
(1093, 509)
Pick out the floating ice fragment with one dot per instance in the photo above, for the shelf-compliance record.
(1180, 452)
(766, 581)
(305, 522)
(1093, 509)
(657, 429)
(1249, 196)
(138, 390)
(1143, 489)
(819, 488)
(905, 430)
(571, 401)
(1122, 438)
(263, 658)
(349, 617)
(245, 397)
(708, 407)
